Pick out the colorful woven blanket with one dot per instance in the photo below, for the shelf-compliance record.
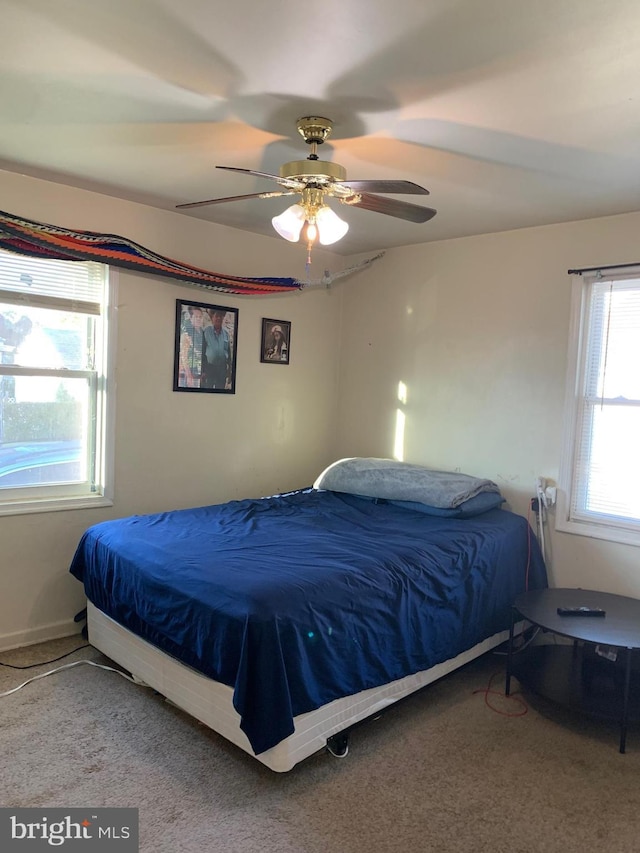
(26, 237)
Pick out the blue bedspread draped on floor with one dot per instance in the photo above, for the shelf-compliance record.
(299, 599)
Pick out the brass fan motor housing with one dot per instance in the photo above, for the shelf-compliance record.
(314, 130)
(310, 171)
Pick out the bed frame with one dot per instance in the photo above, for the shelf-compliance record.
(211, 702)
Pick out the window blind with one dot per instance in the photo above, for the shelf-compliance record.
(607, 462)
(34, 278)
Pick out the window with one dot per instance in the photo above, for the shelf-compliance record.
(54, 400)
(600, 474)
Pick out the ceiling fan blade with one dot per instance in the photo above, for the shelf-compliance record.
(392, 207)
(250, 172)
(290, 183)
(273, 194)
(385, 187)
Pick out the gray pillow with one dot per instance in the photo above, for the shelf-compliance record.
(401, 481)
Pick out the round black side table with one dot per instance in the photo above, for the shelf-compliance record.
(574, 675)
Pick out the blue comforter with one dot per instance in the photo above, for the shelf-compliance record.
(299, 599)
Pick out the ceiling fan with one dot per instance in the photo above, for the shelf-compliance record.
(315, 180)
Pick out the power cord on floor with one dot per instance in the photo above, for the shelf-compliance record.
(68, 666)
(488, 691)
(45, 662)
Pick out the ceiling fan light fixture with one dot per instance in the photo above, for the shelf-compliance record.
(330, 227)
(289, 223)
(322, 224)
(312, 220)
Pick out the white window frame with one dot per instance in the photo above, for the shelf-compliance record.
(36, 499)
(569, 518)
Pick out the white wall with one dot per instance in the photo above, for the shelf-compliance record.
(477, 330)
(176, 449)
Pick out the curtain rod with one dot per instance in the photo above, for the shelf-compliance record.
(602, 268)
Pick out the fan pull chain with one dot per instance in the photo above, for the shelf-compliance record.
(308, 264)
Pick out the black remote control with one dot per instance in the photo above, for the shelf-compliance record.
(581, 611)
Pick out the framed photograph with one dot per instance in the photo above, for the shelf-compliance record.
(205, 348)
(276, 341)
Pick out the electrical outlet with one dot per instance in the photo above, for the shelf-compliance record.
(551, 493)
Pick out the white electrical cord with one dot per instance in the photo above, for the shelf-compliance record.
(541, 516)
(68, 666)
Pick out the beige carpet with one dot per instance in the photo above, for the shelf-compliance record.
(440, 772)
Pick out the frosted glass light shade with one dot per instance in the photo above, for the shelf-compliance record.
(289, 224)
(330, 227)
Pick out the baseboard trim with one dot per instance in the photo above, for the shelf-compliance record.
(32, 636)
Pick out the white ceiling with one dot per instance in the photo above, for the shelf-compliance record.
(511, 112)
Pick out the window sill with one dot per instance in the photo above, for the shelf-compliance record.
(598, 531)
(55, 505)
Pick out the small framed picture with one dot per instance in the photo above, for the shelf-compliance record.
(276, 341)
(206, 343)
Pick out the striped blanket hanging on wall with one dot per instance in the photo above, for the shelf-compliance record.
(37, 239)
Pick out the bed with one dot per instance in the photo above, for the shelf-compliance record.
(282, 621)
